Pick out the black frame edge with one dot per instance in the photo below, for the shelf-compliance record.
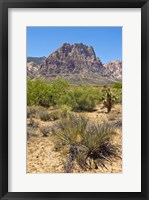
(74, 3)
(4, 100)
(144, 98)
(1, 182)
(4, 5)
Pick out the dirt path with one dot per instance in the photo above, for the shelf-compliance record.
(41, 157)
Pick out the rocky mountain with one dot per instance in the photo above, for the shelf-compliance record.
(77, 63)
(37, 60)
(34, 64)
(113, 69)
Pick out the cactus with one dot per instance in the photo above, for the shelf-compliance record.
(108, 98)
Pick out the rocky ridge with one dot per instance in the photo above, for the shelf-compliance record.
(77, 63)
(113, 69)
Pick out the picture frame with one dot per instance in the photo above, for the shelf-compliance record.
(4, 96)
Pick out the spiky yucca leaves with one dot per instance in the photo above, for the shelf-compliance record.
(108, 98)
(97, 140)
(89, 144)
(72, 129)
(96, 135)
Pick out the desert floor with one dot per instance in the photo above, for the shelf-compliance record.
(42, 156)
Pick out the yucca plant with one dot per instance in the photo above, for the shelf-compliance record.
(71, 132)
(72, 129)
(89, 144)
(97, 140)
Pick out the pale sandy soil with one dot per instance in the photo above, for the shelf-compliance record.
(43, 158)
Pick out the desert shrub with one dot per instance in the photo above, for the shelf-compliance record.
(31, 128)
(38, 93)
(33, 124)
(88, 143)
(55, 114)
(65, 111)
(58, 88)
(68, 99)
(44, 115)
(45, 130)
(59, 92)
(85, 103)
(117, 85)
(31, 111)
(31, 132)
(118, 94)
(45, 94)
(80, 99)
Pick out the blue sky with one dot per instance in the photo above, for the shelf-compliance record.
(106, 41)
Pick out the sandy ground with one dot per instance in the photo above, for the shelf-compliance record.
(43, 158)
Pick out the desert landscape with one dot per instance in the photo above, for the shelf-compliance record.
(74, 112)
(46, 155)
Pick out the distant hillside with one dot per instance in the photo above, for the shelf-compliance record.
(37, 60)
(113, 70)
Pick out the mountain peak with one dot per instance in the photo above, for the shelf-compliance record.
(73, 58)
(77, 63)
(77, 48)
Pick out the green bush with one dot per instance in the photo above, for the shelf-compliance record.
(65, 111)
(117, 85)
(58, 88)
(38, 93)
(80, 99)
(118, 94)
(59, 92)
(45, 94)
